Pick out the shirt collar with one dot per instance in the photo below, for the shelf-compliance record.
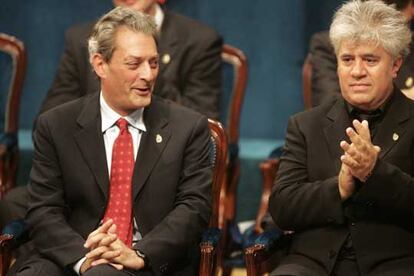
(110, 116)
(158, 17)
(352, 110)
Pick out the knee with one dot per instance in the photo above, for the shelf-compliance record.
(103, 270)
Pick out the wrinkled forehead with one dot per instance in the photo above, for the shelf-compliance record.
(358, 45)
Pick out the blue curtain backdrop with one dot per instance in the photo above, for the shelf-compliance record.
(273, 34)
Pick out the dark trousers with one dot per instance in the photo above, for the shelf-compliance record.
(13, 205)
(302, 266)
(38, 266)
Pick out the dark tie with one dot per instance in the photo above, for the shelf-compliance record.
(120, 200)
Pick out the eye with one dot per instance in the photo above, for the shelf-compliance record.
(347, 60)
(132, 65)
(154, 63)
(371, 60)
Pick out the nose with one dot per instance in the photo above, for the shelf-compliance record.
(358, 69)
(146, 72)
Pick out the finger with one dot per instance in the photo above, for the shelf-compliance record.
(112, 229)
(110, 255)
(362, 129)
(99, 262)
(355, 138)
(117, 266)
(95, 240)
(377, 149)
(101, 229)
(97, 252)
(354, 154)
(344, 145)
(106, 241)
(349, 161)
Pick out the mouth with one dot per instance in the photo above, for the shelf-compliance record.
(142, 91)
(359, 86)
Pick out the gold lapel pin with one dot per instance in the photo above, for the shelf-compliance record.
(166, 58)
(409, 82)
(395, 137)
(158, 139)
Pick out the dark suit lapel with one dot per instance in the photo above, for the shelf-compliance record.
(168, 41)
(91, 144)
(152, 143)
(392, 128)
(334, 130)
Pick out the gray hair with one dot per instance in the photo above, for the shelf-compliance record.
(102, 39)
(372, 21)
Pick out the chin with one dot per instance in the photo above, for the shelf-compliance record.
(143, 102)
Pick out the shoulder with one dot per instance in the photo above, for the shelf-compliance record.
(79, 32)
(189, 28)
(320, 39)
(66, 114)
(314, 116)
(179, 118)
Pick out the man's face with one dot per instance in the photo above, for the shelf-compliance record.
(145, 6)
(366, 72)
(128, 79)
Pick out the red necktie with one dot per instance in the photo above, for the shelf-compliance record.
(120, 200)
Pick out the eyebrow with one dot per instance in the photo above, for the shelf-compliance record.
(139, 57)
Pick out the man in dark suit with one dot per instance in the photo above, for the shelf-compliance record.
(324, 78)
(190, 62)
(345, 184)
(190, 74)
(120, 183)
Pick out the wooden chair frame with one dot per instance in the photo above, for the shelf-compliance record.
(9, 152)
(211, 254)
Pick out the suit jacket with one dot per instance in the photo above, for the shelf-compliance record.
(190, 76)
(171, 183)
(379, 216)
(325, 83)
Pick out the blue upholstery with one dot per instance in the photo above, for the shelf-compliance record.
(19, 230)
(211, 236)
(9, 140)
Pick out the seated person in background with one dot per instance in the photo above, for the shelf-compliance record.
(345, 183)
(190, 62)
(190, 74)
(121, 179)
(325, 84)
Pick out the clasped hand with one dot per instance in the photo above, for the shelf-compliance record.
(106, 248)
(359, 158)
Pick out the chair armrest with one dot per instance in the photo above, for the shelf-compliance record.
(265, 246)
(208, 247)
(13, 234)
(18, 230)
(8, 161)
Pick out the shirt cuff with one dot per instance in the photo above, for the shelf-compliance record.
(78, 265)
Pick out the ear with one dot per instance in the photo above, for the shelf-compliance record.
(396, 66)
(99, 65)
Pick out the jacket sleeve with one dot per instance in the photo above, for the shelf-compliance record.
(52, 235)
(182, 228)
(296, 203)
(387, 195)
